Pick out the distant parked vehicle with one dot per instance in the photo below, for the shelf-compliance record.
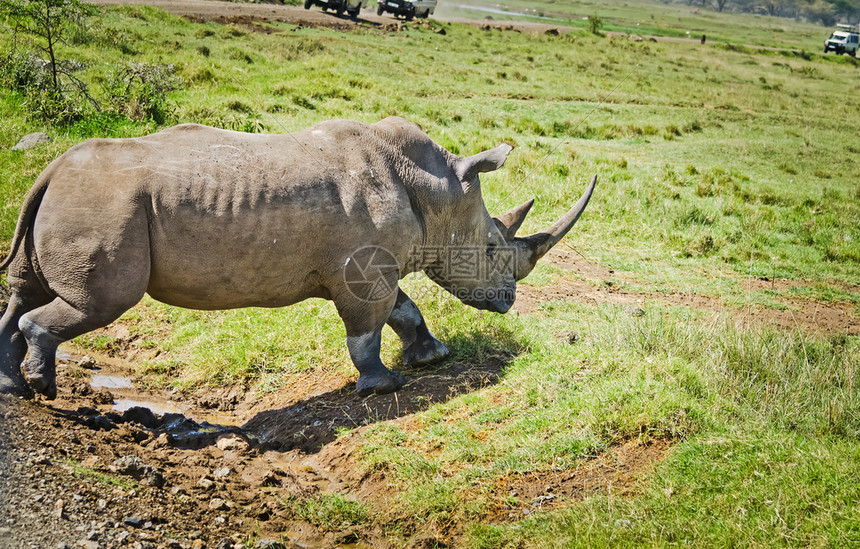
(351, 7)
(406, 8)
(844, 40)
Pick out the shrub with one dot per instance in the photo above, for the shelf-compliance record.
(139, 91)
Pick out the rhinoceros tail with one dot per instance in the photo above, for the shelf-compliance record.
(28, 211)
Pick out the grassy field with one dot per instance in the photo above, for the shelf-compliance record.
(717, 164)
(651, 19)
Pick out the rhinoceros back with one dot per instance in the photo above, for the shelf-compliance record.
(231, 219)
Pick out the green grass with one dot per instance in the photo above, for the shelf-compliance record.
(716, 164)
(84, 472)
(647, 18)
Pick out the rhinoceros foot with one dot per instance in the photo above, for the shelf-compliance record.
(42, 379)
(425, 351)
(382, 383)
(14, 385)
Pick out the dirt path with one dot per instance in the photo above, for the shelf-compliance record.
(597, 285)
(214, 10)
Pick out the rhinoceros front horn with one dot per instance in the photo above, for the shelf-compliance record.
(530, 249)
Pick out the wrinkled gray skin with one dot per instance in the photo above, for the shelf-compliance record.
(211, 219)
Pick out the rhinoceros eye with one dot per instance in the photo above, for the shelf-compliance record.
(491, 250)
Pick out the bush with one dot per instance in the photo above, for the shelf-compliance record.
(139, 91)
(595, 23)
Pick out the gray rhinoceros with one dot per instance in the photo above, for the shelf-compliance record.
(205, 218)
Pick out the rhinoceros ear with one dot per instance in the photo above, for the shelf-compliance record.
(487, 161)
(509, 222)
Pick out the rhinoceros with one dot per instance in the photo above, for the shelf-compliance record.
(205, 218)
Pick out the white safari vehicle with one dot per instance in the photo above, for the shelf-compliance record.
(844, 40)
(406, 8)
(352, 7)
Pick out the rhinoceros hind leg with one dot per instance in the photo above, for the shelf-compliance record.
(419, 345)
(48, 326)
(13, 349)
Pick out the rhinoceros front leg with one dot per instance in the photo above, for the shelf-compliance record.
(364, 321)
(419, 345)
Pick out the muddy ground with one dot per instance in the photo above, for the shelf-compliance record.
(109, 464)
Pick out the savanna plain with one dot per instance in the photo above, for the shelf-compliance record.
(681, 370)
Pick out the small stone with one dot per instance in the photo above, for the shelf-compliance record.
(221, 473)
(31, 140)
(205, 483)
(217, 504)
(87, 362)
(197, 544)
(102, 504)
(231, 441)
(134, 522)
(224, 543)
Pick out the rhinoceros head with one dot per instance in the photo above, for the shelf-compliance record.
(483, 258)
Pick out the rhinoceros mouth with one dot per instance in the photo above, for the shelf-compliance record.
(497, 300)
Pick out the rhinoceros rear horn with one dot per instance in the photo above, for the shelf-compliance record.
(533, 247)
(510, 221)
(468, 168)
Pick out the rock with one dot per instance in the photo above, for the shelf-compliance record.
(217, 504)
(135, 467)
(134, 522)
(59, 507)
(87, 362)
(224, 543)
(221, 473)
(88, 544)
(231, 441)
(635, 38)
(198, 544)
(32, 140)
(205, 483)
(141, 415)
